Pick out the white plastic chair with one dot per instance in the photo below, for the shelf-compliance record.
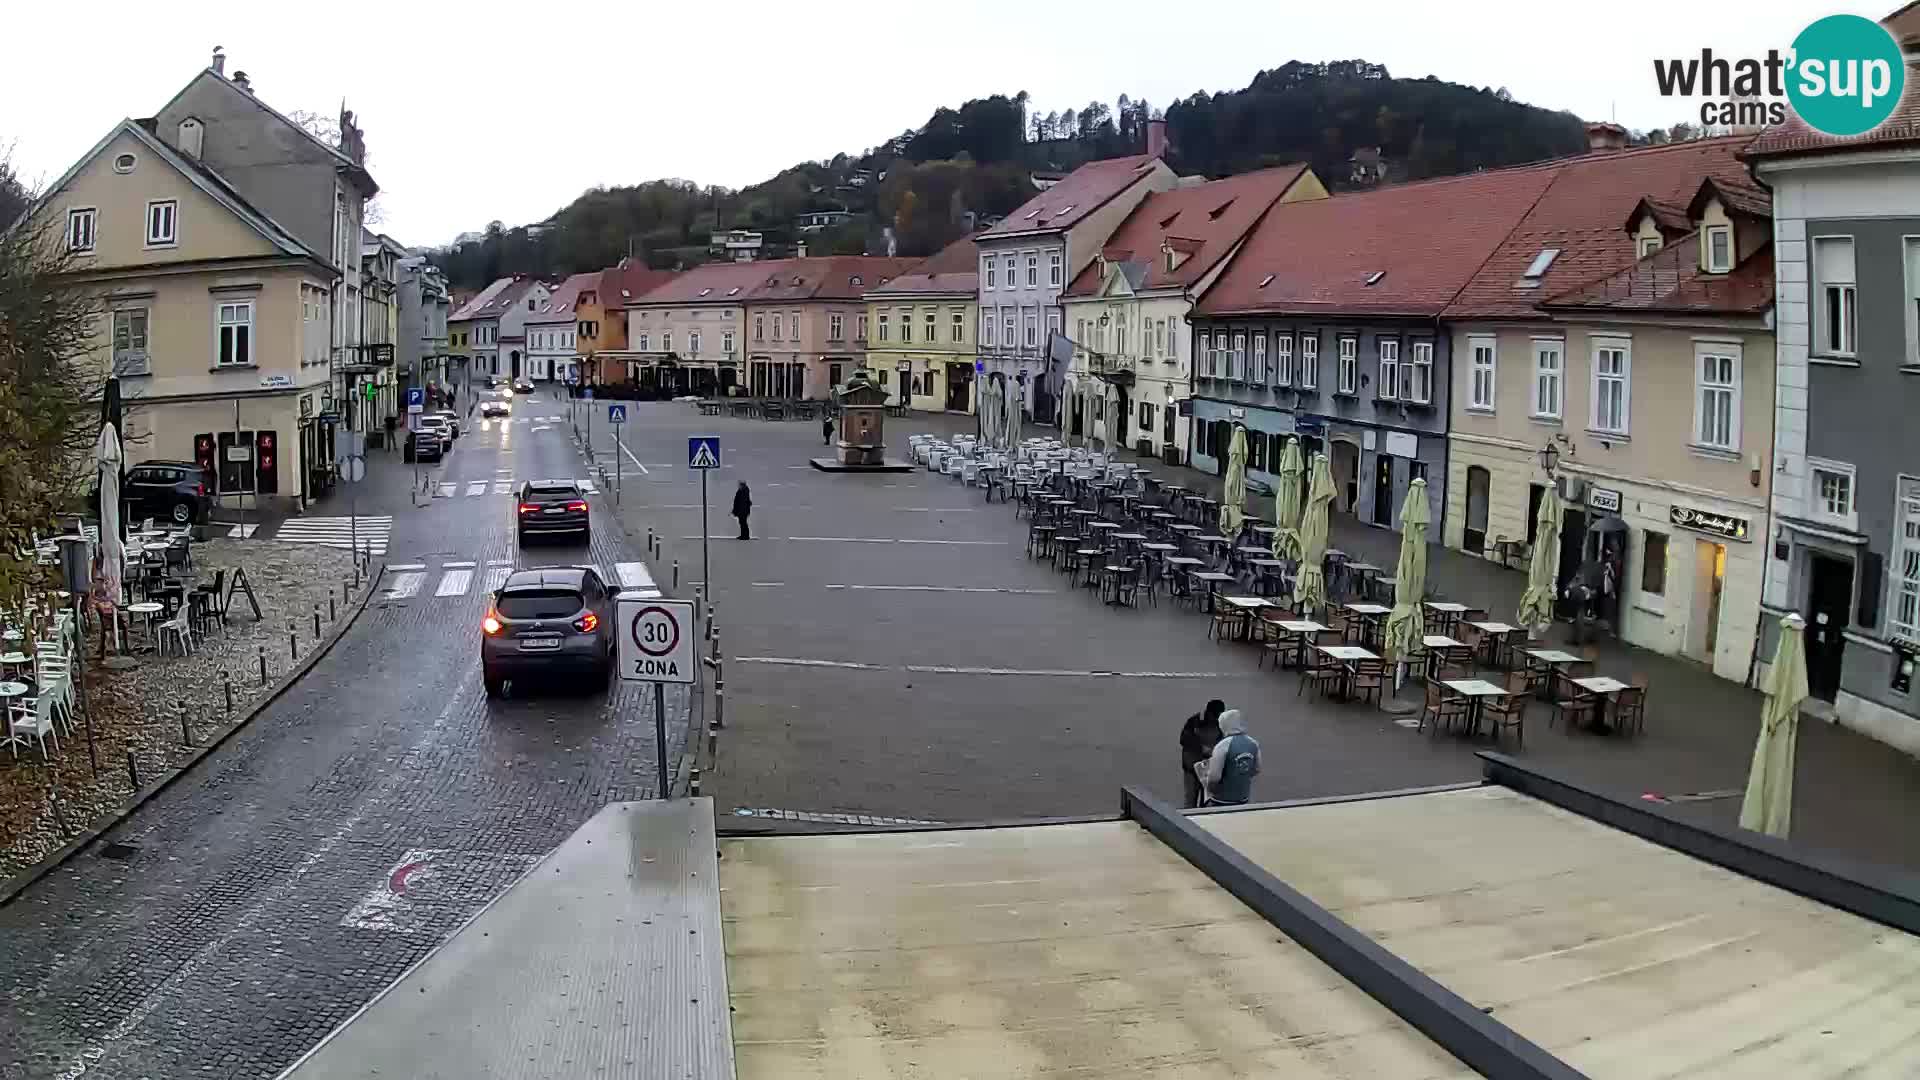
(33, 721)
(176, 629)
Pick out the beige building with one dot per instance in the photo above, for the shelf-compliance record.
(1650, 390)
(216, 320)
(918, 330)
(684, 336)
(803, 319)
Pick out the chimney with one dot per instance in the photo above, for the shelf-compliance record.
(1156, 138)
(240, 80)
(800, 250)
(219, 60)
(1603, 136)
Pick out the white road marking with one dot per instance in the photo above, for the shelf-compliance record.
(405, 586)
(794, 661)
(454, 582)
(944, 588)
(503, 487)
(476, 487)
(769, 584)
(503, 472)
(371, 530)
(242, 532)
(887, 540)
(497, 576)
(397, 567)
(636, 461)
(457, 565)
(944, 669)
(823, 818)
(444, 491)
(589, 487)
(937, 509)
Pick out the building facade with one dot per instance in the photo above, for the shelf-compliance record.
(684, 336)
(214, 319)
(494, 325)
(601, 319)
(1027, 259)
(553, 332)
(1846, 451)
(1126, 311)
(919, 330)
(423, 349)
(803, 321)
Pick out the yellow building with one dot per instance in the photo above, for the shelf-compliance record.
(919, 330)
(215, 318)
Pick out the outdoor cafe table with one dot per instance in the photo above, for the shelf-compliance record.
(1214, 580)
(1362, 571)
(1551, 660)
(1115, 576)
(1130, 538)
(9, 691)
(1604, 687)
(1346, 654)
(1268, 569)
(1433, 643)
(1247, 606)
(147, 609)
(1303, 631)
(1496, 633)
(1448, 611)
(1476, 691)
(1371, 615)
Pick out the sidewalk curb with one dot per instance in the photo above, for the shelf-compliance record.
(13, 887)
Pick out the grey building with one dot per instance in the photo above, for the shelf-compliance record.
(421, 353)
(1846, 453)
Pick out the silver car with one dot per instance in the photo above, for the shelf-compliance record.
(555, 620)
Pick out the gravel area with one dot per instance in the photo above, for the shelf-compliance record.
(137, 711)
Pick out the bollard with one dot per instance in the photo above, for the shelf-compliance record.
(133, 771)
(293, 643)
(262, 650)
(649, 538)
(676, 573)
(719, 701)
(59, 815)
(316, 619)
(331, 613)
(186, 733)
(713, 741)
(693, 783)
(226, 684)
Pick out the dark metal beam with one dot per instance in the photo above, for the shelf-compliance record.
(1886, 896)
(1458, 1026)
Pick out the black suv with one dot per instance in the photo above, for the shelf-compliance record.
(173, 491)
(547, 507)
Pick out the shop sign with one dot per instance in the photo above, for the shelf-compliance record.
(1402, 444)
(1604, 499)
(1706, 521)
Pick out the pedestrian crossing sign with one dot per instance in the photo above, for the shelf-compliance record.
(703, 452)
(616, 413)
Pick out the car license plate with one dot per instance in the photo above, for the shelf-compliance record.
(536, 644)
(556, 510)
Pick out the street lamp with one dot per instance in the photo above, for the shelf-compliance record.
(1549, 458)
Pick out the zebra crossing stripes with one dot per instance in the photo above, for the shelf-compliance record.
(635, 580)
(501, 487)
(589, 487)
(497, 575)
(476, 487)
(455, 581)
(371, 531)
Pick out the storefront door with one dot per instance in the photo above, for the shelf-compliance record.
(1383, 490)
(1479, 481)
(1345, 462)
(1710, 578)
(1829, 606)
(959, 384)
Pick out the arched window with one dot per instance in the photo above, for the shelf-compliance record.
(1479, 483)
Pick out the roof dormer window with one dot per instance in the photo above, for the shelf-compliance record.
(1266, 281)
(1537, 269)
(1214, 214)
(733, 291)
(705, 291)
(1717, 249)
(1649, 245)
(1374, 278)
(856, 280)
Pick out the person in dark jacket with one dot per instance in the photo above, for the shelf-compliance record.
(1197, 737)
(743, 506)
(826, 430)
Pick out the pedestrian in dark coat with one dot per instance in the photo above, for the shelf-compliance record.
(1197, 737)
(742, 507)
(826, 430)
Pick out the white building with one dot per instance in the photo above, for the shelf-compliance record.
(553, 332)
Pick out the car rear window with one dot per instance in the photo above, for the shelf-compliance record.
(553, 491)
(539, 604)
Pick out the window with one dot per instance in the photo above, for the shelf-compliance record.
(80, 230)
(1831, 489)
(1389, 369)
(1834, 282)
(1237, 360)
(693, 342)
(125, 163)
(860, 328)
(529, 303)
(1053, 325)
(959, 325)
(1033, 329)
(1033, 269)
(1310, 362)
(886, 327)
(987, 271)
(130, 341)
(640, 343)
(1146, 416)
(1612, 380)
(1653, 564)
(1480, 385)
(793, 326)
(1160, 337)
(906, 326)
(1283, 359)
(836, 327)
(160, 222)
(1547, 354)
(1259, 373)
(726, 342)
(1053, 268)
(1717, 396)
(1903, 615)
(666, 341)
(986, 328)
(1006, 326)
(1349, 364)
(1649, 245)
(776, 328)
(1120, 338)
(1013, 278)
(1416, 378)
(759, 328)
(932, 327)
(1719, 241)
(236, 334)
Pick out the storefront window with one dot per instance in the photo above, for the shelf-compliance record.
(1653, 564)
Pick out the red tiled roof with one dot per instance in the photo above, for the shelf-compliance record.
(1749, 200)
(710, 283)
(1425, 239)
(1901, 128)
(953, 269)
(824, 277)
(1581, 213)
(485, 298)
(630, 279)
(1084, 190)
(1205, 221)
(559, 308)
(1668, 217)
(1670, 280)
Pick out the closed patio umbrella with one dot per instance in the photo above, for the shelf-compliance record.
(1014, 415)
(1536, 603)
(1287, 502)
(1768, 807)
(1405, 622)
(1310, 587)
(108, 457)
(1233, 500)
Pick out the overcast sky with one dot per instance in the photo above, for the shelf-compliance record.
(479, 112)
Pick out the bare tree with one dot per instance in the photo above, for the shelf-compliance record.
(327, 130)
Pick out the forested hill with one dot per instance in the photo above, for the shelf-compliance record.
(1354, 122)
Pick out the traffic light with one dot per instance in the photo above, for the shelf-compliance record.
(266, 459)
(203, 455)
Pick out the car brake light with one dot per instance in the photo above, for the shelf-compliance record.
(578, 504)
(529, 508)
(587, 623)
(199, 489)
(491, 624)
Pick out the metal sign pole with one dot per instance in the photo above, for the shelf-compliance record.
(619, 467)
(660, 735)
(706, 562)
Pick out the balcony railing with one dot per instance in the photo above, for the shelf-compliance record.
(1110, 364)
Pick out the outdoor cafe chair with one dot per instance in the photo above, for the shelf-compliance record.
(1180, 588)
(1323, 673)
(32, 719)
(1369, 678)
(1509, 713)
(1630, 706)
(176, 629)
(1571, 701)
(1443, 707)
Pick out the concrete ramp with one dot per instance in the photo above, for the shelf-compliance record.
(604, 961)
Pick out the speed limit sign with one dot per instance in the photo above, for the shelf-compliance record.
(656, 640)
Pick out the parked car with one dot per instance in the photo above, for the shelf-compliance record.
(493, 381)
(429, 441)
(551, 507)
(173, 491)
(494, 406)
(550, 620)
(453, 421)
(523, 386)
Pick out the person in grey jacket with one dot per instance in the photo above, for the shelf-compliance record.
(1234, 764)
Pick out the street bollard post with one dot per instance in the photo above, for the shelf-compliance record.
(332, 614)
(226, 685)
(262, 651)
(59, 815)
(676, 573)
(186, 732)
(693, 783)
(316, 619)
(293, 643)
(133, 771)
(649, 539)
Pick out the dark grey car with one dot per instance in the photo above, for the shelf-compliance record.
(550, 508)
(555, 620)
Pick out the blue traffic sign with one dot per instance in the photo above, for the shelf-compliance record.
(980, 367)
(416, 399)
(586, 393)
(703, 452)
(616, 414)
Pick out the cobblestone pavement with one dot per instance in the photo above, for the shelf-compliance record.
(891, 652)
(258, 902)
(139, 711)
